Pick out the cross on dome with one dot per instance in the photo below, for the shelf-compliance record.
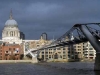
(11, 21)
(11, 14)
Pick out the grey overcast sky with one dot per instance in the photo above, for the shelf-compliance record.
(54, 17)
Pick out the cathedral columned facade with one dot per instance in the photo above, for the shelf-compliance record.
(11, 32)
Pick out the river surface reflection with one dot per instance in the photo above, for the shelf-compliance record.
(73, 68)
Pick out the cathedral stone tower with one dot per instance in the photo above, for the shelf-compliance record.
(11, 33)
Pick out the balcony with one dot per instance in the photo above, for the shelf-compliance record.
(86, 49)
(85, 52)
(86, 56)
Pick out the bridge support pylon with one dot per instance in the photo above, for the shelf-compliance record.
(97, 62)
(94, 42)
(34, 60)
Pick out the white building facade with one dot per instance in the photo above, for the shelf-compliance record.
(88, 51)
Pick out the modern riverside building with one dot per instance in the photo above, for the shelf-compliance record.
(88, 51)
(75, 52)
(54, 54)
(67, 53)
(63, 53)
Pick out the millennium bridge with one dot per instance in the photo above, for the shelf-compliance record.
(84, 32)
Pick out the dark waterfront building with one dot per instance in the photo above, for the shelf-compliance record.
(44, 36)
(22, 35)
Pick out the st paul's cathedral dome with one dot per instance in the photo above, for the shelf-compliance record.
(11, 32)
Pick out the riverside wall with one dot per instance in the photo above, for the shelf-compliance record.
(16, 61)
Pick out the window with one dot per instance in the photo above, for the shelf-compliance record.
(69, 56)
(37, 45)
(46, 55)
(9, 48)
(54, 48)
(56, 56)
(11, 33)
(79, 49)
(6, 52)
(64, 55)
(64, 49)
(68, 51)
(50, 49)
(13, 48)
(85, 48)
(59, 52)
(90, 48)
(6, 55)
(64, 52)
(46, 52)
(79, 46)
(91, 54)
(68, 48)
(58, 48)
(74, 46)
(79, 52)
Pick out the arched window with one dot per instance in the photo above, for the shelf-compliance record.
(56, 56)
(11, 33)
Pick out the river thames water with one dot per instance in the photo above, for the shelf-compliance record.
(71, 68)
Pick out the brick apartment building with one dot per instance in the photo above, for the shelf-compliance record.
(10, 52)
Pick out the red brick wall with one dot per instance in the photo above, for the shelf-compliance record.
(9, 52)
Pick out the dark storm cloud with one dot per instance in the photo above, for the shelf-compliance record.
(52, 16)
